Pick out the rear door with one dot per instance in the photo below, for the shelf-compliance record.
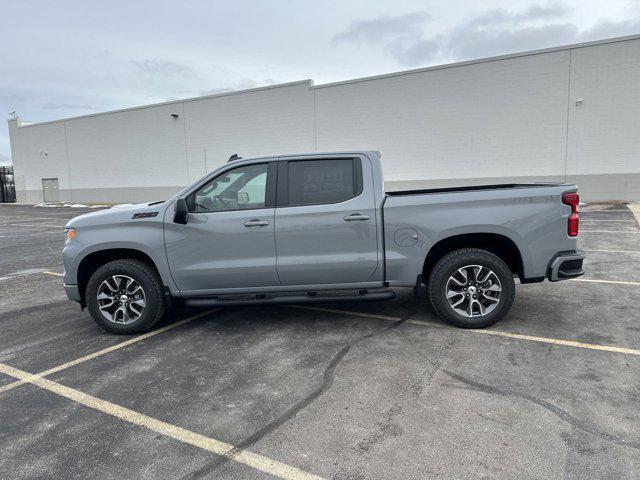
(326, 223)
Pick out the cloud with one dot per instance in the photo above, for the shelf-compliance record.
(416, 52)
(496, 32)
(378, 29)
(5, 159)
(243, 84)
(536, 12)
(469, 44)
(606, 29)
(157, 66)
(68, 106)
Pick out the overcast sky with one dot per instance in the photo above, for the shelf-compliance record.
(65, 58)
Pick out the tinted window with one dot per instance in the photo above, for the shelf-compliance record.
(321, 181)
(239, 189)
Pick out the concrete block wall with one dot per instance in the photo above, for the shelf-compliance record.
(507, 119)
(603, 145)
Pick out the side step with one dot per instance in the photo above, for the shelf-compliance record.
(309, 297)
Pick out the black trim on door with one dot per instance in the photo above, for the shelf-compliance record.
(282, 196)
(272, 182)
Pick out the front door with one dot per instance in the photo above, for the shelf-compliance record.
(50, 191)
(326, 223)
(228, 241)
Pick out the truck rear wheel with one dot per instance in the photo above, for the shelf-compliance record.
(471, 288)
(125, 296)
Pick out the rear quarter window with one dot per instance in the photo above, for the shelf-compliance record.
(314, 182)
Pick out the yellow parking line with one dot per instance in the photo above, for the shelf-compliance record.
(632, 232)
(588, 220)
(253, 460)
(484, 331)
(104, 351)
(52, 273)
(349, 312)
(615, 282)
(35, 225)
(611, 251)
(605, 211)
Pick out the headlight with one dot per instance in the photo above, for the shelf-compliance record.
(69, 234)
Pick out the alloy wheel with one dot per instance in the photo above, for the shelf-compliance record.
(121, 299)
(473, 291)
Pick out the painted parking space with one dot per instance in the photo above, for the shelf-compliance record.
(36, 342)
(503, 408)
(48, 436)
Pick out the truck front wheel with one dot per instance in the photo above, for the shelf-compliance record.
(125, 296)
(471, 288)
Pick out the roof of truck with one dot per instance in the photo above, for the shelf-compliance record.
(336, 153)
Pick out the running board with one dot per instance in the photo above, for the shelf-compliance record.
(310, 297)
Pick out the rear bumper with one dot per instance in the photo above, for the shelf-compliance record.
(566, 265)
(73, 292)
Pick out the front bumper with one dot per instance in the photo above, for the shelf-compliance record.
(566, 265)
(73, 292)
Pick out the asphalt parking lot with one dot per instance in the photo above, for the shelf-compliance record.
(340, 391)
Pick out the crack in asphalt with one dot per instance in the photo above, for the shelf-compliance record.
(386, 427)
(557, 411)
(327, 383)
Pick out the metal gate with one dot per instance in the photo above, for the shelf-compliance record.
(7, 185)
(50, 190)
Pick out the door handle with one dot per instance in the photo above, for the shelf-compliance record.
(356, 216)
(256, 223)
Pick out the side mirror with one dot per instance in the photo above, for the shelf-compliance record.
(181, 214)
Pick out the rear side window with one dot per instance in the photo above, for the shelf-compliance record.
(312, 182)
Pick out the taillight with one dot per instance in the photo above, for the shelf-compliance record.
(573, 200)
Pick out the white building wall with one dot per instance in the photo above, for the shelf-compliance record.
(38, 153)
(506, 117)
(259, 122)
(511, 118)
(126, 150)
(604, 128)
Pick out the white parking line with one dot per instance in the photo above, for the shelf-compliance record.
(485, 331)
(253, 460)
(52, 273)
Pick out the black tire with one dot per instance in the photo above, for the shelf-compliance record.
(146, 277)
(448, 265)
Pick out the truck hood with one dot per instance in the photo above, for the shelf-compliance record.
(115, 215)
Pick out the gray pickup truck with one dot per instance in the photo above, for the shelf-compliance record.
(315, 228)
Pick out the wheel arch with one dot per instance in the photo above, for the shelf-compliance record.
(500, 245)
(94, 260)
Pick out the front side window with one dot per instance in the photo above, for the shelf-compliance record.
(242, 188)
(314, 182)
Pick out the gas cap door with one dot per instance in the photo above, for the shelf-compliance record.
(406, 237)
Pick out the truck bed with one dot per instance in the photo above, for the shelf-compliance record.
(501, 186)
(531, 215)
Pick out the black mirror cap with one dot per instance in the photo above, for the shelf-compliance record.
(181, 214)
